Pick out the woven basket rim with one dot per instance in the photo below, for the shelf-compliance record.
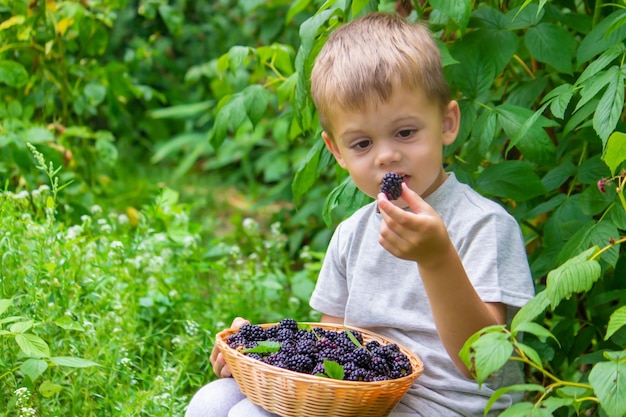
(415, 360)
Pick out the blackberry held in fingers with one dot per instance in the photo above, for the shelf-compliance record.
(392, 186)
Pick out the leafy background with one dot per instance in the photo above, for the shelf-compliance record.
(161, 173)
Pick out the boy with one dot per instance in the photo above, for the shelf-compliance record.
(436, 265)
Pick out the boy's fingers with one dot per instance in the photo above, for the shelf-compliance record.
(238, 322)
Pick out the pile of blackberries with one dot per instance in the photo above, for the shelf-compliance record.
(392, 185)
(305, 351)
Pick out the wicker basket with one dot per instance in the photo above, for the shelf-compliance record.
(293, 394)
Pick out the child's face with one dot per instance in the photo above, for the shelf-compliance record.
(404, 135)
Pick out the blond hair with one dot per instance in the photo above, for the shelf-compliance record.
(365, 59)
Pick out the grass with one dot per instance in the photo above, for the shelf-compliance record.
(116, 314)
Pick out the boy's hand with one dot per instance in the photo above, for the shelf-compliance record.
(419, 236)
(217, 360)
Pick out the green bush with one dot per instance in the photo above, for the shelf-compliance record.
(116, 314)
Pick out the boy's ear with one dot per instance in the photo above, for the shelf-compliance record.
(451, 122)
(333, 148)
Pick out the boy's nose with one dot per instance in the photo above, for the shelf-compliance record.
(387, 154)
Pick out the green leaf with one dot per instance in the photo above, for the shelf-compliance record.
(347, 196)
(530, 311)
(552, 45)
(173, 19)
(32, 346)
(309, 29)
(231, 114)
(295, 8)
(616, 322)
(531, 354)
(264, 346)
(446, 58)
(511, 179)
(608, 380)
(525, 409)
(559, 99)
(333, 369)
(611, 106)
(484, 131)
(511, 388)
(352, 338)
(576, 275)
(255, 99)
(528, 14)
(72, 362)
(598, 234)
(457, 10)
(535, 145)
(13, 73)
(237, 56)
(307, 173)
(49, 388)
(614, 153)
(182, 111)
(5, 303)
(21, 326)
(541, 332)
(67, 323)
(37, 135)
(479, 65)
(33, 368)
(599, 40)
(489, 353)
(593, 85)
(601, 62)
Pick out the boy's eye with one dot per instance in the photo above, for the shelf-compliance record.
(406, 133)
(362, 144)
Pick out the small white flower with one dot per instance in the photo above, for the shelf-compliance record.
(43, 188)
(105, 228)
(191, 327)
(125, 361)
(95, 209)
(122, 219)
(21, 195)
(250, 224)
(275, 228)
(73, 232)
(116, 244)
(189, 241)
(159, 237)
(84, 218)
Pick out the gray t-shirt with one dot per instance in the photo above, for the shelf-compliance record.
(370, 288)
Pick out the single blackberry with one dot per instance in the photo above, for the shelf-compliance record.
(392, 186)
(299, 363)
(290, 324)
(372, 344)
(306, 347)
(361, 358)
(379, 366)
(284, 334)
(235, 340)
(271, 332)
(252, 332)
(318, 369)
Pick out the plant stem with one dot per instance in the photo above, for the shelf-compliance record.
(596, 13)
(607, 247)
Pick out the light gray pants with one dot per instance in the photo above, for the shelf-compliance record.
(222, 398)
